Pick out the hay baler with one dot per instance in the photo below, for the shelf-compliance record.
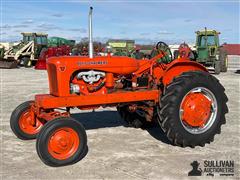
(188, 103)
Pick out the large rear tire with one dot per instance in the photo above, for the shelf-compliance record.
(223, 60)
(217, 67)
(192, 109)
(62, 141)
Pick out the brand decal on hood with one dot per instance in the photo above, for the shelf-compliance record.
(80, 63)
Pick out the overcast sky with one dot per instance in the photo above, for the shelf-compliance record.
(144, 21)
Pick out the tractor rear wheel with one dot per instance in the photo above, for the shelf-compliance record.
(21, 122)
(132, 118)
(192, 109)
(223, 60)
(217, 67)
(62, 141)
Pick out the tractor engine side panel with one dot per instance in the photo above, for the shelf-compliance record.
(61, 69)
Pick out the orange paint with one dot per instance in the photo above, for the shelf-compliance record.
(47, 101)
(109, 80)
(196, 109)
(26, 125)
(63, 70)
(63, 143)
(178, 66)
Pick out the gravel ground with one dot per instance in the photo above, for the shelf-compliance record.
(115, 152)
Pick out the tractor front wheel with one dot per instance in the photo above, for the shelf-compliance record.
(22, 124)
(192, 109)
(27, 62)
(62, 141)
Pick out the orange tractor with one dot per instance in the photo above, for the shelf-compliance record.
(188, 103)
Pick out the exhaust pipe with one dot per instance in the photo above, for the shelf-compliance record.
(90, 48)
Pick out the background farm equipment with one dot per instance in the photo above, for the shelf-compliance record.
(63, 47)
(209, 52)
(188, 103)
(2, 50)
(185, 51)
(62, 50)
(81, 49)
(121, 47)
(58, 41)
(33, 45)
(57, 46)
(25, 52)
(4, 63)
(145, 50)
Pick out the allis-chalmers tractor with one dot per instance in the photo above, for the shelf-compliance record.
(188, 103)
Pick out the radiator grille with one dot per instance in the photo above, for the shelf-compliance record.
(53, 83)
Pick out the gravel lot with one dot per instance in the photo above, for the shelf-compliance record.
(115, 152)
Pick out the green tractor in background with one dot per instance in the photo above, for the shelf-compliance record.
(209, 52)
(58, 41)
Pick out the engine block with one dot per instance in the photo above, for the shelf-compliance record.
(90, 76)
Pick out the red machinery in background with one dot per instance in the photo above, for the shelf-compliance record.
(184, 50)
(63, 50)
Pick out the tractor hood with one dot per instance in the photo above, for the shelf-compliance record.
(113, 64)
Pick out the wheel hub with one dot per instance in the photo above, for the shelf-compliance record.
(196, 109)
(26, 125)
(63, 143)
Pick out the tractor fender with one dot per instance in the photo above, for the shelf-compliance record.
(177, 67)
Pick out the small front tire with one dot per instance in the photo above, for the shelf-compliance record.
(62, 141)
(20, 122)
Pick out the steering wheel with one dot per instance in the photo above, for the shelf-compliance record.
(162, 46)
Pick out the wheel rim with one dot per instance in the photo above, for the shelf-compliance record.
(63, 143)
(198, 110)
(26, 125)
